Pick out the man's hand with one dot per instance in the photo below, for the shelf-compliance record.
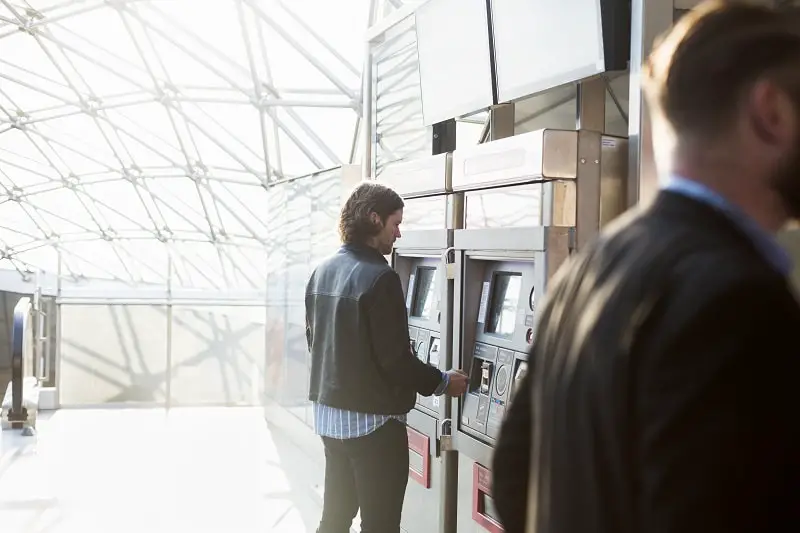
(457, 384)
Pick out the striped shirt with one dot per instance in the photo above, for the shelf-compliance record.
(340, 424)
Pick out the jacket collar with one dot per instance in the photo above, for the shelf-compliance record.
(363, 249)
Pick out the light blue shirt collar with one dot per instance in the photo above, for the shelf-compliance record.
(764, 242)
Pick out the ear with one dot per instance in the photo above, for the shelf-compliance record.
(375, 218)
(771, 113)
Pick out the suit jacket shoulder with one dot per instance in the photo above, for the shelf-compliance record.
(645, 330)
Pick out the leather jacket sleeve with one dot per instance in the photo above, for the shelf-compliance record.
(391, 348)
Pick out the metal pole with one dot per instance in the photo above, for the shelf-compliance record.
(368, 125)
(367, 116)
(649, 18)
(168, 382)
(58, 308)
(448, 521)
(449, 493)
(267, 353)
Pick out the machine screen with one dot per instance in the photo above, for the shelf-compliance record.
(503, 307)
(424, 293)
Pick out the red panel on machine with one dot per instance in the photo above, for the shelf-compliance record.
(481, 495)
(420, 445)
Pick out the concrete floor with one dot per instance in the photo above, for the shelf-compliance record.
(146, 470)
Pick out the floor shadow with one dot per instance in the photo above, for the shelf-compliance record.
(302, 471)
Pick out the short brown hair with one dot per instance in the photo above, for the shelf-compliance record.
(700, 70)
(355, 225)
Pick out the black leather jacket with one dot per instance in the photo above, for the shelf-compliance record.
(357, 333)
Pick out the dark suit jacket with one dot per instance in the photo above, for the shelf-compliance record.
(663, 392)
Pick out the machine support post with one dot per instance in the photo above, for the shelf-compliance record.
(501, 121)
(444, 141)
(590, 123)
(449, 516)
(591, 110)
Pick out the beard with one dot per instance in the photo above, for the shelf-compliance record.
(786, 182)
(386, 248)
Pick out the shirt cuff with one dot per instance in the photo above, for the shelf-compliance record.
(443, 385)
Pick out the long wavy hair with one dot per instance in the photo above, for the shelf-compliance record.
(355, 223)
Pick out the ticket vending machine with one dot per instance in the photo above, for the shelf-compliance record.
(529, 201)
(430, 216)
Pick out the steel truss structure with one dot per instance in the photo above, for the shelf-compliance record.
(140, 139)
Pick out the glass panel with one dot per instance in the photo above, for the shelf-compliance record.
(276, 294)
(303, 226)
(519, 206)
(217, 355)
(165, 123)
(325, 194)
(87, 264)
(400, 131)
(296, 223)
(113, 354)
(424, 213)
(216, 268)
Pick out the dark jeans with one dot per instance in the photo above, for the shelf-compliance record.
(370, 473)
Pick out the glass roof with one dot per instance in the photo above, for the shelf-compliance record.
(136, 131)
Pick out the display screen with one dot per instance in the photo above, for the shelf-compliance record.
(455, 62)
(521, 28)
(424, 293)
(503, 307)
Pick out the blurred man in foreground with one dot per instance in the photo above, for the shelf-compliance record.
(364, 376)
(662, 392)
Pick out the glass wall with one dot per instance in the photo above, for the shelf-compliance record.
(305, 232)
(239, 341)
(177, 355)
(113, 354)
(217, 355)
(400, 132)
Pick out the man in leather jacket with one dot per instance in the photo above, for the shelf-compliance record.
(364, 375)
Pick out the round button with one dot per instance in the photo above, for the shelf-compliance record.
(532, 298)
(501, 382)
(529, 336)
